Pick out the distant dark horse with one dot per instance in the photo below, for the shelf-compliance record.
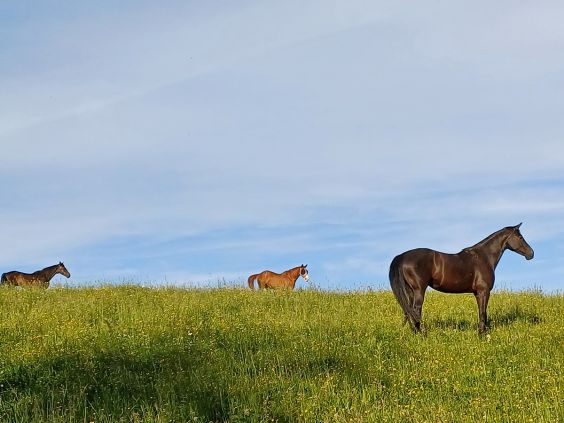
(285, 280)
(471, 270)
(40, 278)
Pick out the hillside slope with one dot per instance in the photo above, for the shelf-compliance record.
(156, 355)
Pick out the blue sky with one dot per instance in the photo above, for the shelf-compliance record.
(191, 142)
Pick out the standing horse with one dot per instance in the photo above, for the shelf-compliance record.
(471, 270)
(40, 278)
(285, 280)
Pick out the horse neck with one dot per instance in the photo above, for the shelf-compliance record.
(48, 273)
(293, 274)
(492, 247)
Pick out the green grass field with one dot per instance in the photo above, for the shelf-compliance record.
(130, 354)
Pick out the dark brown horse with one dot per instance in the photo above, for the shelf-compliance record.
(284, 280)
(41, 278)
(471, 270)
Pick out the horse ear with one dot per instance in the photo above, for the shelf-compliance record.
(305, 265)
(519, 225)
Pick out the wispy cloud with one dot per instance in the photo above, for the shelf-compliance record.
(204, 140)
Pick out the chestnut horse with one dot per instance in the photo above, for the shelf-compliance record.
(285, 280)
(40, 278)
(469, 271)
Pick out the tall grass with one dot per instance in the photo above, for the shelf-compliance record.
(129, 354)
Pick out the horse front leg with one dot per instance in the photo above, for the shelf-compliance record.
(482, 298)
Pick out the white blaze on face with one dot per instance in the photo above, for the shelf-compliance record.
(306, 277)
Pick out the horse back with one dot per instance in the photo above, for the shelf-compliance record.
(418, 257)
(442, 271)
(21, 279)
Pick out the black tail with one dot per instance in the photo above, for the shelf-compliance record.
(402, 291)
(3, 279)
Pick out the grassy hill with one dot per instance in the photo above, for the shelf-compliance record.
(132, 354)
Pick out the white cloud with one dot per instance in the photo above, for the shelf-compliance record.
(438, 121)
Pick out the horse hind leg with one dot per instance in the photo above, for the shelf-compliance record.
(406, 318)
(418, 297)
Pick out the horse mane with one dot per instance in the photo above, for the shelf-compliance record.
(293, 269)
(45, 269)
(486, 240)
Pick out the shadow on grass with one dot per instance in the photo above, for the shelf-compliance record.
(497, 319)
(513, 315)
(451, 323)
(115, 384)
(174, 383)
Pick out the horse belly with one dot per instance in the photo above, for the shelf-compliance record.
(450, 277)
(455, 287)
(22, 281)
(277, 284)
(452, 283)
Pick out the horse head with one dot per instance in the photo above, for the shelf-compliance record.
(63, 270)
(303, 272)
(516, 242)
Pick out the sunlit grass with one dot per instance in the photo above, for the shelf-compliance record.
(157, 355)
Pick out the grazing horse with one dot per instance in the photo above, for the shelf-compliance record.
(40, 278)
(471, 270)
(284, 280)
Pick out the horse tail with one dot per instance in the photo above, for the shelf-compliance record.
(251, 281)
(3, 279)
(402, 291)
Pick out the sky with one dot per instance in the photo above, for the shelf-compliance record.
(195, 143)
